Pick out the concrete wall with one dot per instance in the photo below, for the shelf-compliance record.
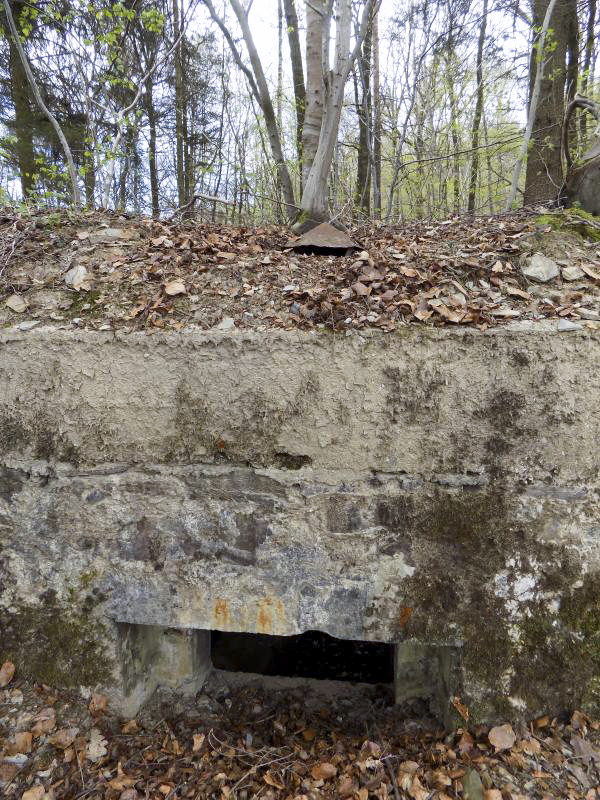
(436, 487)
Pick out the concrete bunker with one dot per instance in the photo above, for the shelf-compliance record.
(144, 502)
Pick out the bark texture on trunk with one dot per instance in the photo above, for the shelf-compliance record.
(543, 177)
(316, 70)
(362, 196)
(179, 134)
(291, 19)
(314, 204)
(474, 173)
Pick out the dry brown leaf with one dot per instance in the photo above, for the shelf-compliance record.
(97, 704)
(502, 737)
(198, 741)
(129, 794)
(346, 787)
(35, 793)
(64, 737)
(23, 741)
(175, 287)
(7, 672)
(122, 782)
(323, 771)
(462, 709)
(273, 780)
(130, 727)
(44, 722)
(492, 794)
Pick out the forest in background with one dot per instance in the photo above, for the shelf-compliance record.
(352, 109)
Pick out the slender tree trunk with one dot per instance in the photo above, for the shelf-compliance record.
(179, 135)
(377, 128)
(151, 114)
(587, 61)
(20, 94)
(478, 113)
(260, 90)
(291, 19)
(314, 197)
(38, 98)
(362, 197)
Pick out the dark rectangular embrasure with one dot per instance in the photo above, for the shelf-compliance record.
(308, 655)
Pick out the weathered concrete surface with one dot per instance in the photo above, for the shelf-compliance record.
(439, 487)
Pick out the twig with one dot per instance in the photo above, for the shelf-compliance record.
(392, 778)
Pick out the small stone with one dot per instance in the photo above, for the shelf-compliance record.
(78, 278)
(540, 268)
(588, 313)
(572, 273)
(226, 324)
(16, 303)
(27, 326)
(567, 325)
(472, 786)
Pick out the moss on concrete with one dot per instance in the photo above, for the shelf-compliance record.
(572, 220)
(60, 643)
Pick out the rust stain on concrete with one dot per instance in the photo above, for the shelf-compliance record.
(221, 615)
(271, 615)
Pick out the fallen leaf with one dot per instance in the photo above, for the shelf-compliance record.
(7, 672)
(502, 737)
(96, 747)
(198, 741)
(461, 708)
(23, 741)
(175, 287)
(44, 722)
(130, 727)
(323, 771)
(346, 787)
(273, 780)
(97, 704)
(492, 794)
(35, 793)
(64, 737)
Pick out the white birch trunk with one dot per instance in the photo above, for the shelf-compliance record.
(314, 203)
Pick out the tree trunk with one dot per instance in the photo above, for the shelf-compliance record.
(362, 197)
(377, 129)
(297, 75)
(478, 113)
(179, 139)
(315, 85)
(44, 108)
(587, 61)
(314, 197)
(543, 177)
(151, 114)
(260, 90)
(20, 94)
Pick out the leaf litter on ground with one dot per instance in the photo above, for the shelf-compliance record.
(247, 740)
(106, 271)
